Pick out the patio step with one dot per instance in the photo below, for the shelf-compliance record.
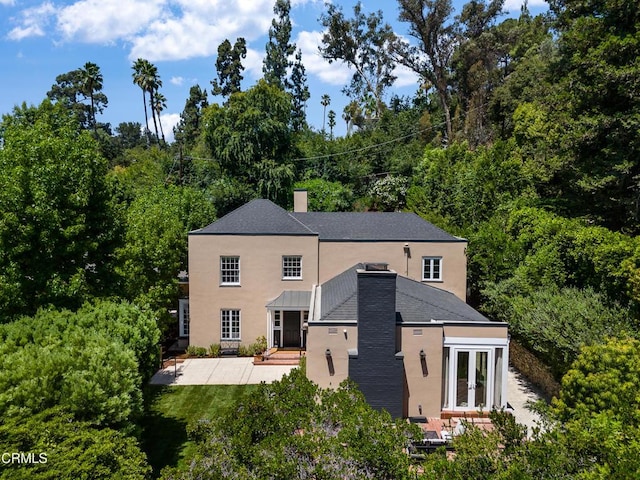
(280, 357)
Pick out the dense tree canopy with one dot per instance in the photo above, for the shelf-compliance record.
(57, 229)
(291, 429)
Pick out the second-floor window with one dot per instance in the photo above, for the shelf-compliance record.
(230, 270)
(431, 269)
(292, 267)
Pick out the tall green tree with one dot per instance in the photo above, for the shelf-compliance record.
(159, 104)
(91, 84)
(229, 67)
(155, 246)
(250, 137)
(58, 227)
(332, 123)
(145, 75)
(73, 88)
(325, 101)
(477, 66)
(139, 78)
(279, 48)
(597, 72)
(430, 23)
(299, 94)
(365, 43)
(188, 129)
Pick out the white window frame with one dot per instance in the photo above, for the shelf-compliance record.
(285, 267)
(227, 269)
(183, 317)
(228, 316)
(431, 261)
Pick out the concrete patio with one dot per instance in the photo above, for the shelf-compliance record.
(242, 371)
(218, 371)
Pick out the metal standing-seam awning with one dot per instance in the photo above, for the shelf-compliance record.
(291, 300)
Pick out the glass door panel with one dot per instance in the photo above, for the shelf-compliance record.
(472, 379)
(480, 380)
(462, 379)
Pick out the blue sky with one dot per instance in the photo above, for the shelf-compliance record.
(42, 39)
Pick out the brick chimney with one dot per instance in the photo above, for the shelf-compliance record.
(376, 367)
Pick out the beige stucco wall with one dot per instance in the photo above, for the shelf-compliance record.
(318, 341)
(260, 280)
(424, 386)
(336, 257)
(499, 330)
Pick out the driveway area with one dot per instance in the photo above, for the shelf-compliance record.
(219, 371)
(519, 393)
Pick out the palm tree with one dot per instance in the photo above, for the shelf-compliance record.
(153, 84)
(332, 123)
(325, 101)
(159, 104)
(139, 79)
(91, 82)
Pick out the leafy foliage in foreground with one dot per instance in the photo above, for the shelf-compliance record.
(91, 362)
(590, 433)
(292, 429)
(73, 449)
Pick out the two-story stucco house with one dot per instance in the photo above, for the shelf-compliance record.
(378, 297)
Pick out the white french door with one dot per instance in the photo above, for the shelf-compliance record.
(473, 377)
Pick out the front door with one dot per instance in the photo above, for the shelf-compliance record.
(291, 329)
(472, 379)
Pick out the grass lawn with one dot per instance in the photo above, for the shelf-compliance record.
(171, 409)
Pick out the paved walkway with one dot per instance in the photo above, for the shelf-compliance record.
(219, 371)
(519, 393)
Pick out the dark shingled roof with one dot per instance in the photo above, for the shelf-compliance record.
(263, 217)
(258, 217)
(415, 301)
(379, 226)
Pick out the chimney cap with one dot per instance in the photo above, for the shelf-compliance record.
(376, 267)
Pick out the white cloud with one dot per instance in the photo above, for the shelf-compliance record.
(197, 27)
(177, 81)
(155, 29)
(33, 22)
(336, 73)
(406, 77)
(7, 2)
(253, 63)
(169, 120)
(105, 21)
(516, 5)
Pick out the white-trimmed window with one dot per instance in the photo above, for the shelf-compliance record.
(431, 269)
(292, 267)
(230, 324)
(230, 270)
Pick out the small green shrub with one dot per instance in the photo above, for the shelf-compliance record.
(194, 351)
(214, 350)
(244, 351)
(303, 365)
